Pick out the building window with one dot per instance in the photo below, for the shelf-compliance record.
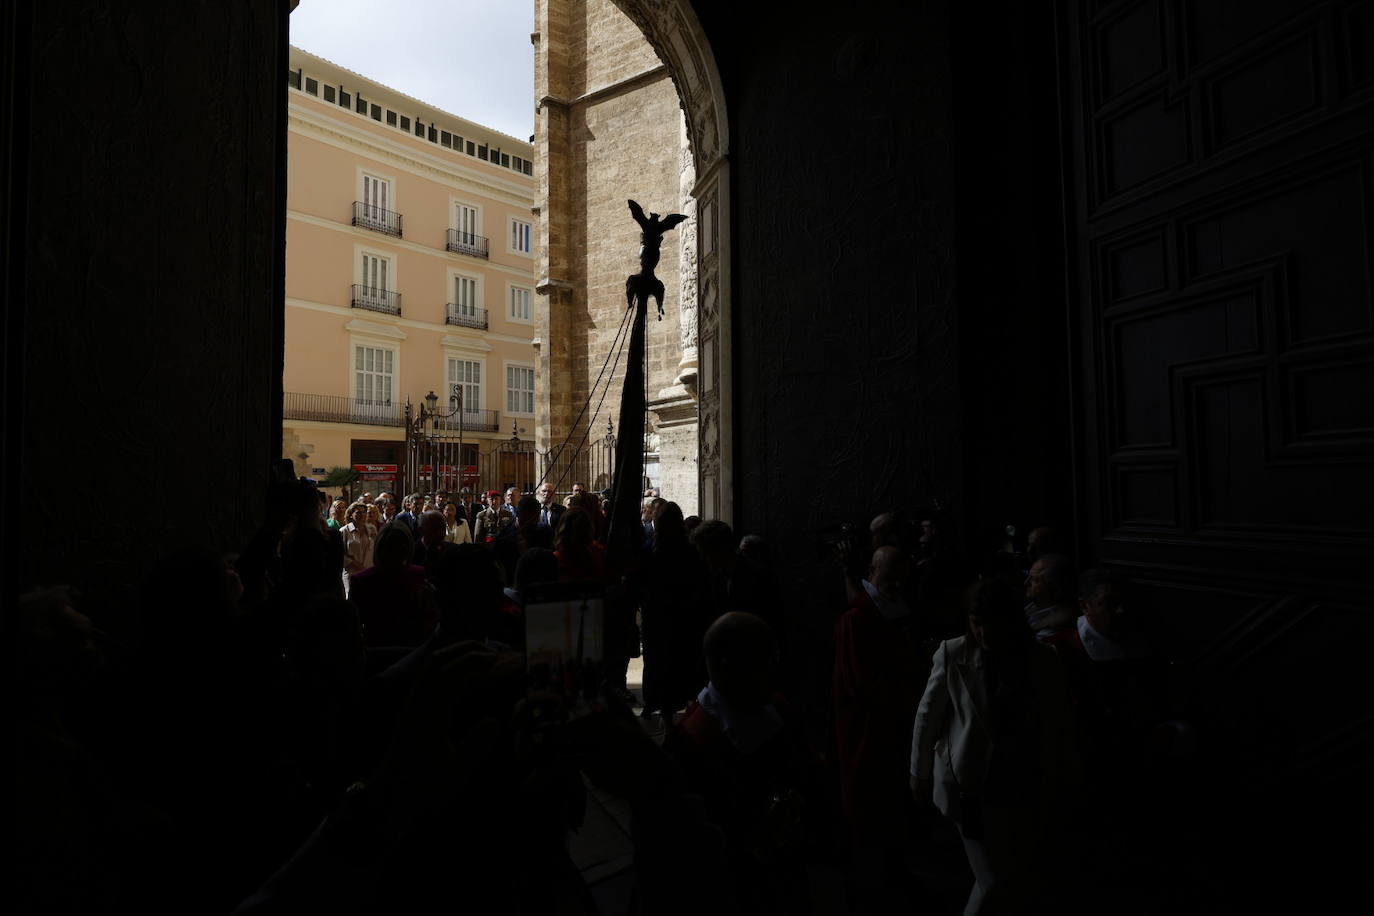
(519, 236)
(433, 134)
(405, 123)
(445, 138)
(465, 221)
(376, 277)
(505, 160)
(376, 198)
(376, 112)
(312, 86)
(373, 370)
(329, 93)
(472, 148)
(465, 296)
(457, 143)
(468, 373)
(361, 107)
(345, 99)
(519, 389)
(390, 118)
(519, 304)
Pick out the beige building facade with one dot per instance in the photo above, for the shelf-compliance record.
(411, 253)
(609, 127)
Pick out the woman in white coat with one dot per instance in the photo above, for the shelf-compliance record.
(994, 748)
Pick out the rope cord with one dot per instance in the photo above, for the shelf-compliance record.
(616, 347)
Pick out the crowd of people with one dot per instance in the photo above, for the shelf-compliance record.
(336, 719)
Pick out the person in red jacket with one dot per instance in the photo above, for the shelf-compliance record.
(744, 753)
(877, 680)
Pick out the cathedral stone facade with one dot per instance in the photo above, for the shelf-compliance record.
(610, 128)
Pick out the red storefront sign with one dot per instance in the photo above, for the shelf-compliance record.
(385, 472)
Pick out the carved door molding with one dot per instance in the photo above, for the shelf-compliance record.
(673, 30)
(1221, 170)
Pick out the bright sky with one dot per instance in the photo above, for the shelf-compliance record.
(472, 58)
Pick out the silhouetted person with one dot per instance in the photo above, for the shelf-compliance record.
(432, 544)
(395, 603)
(580, 558)
(676, 609)
(994, 748)
(1051, 599)
(876, 688)
(737, 584)
(741, 749)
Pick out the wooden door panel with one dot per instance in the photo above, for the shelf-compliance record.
(1221, 165)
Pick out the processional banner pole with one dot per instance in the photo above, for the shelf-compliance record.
(626, 533)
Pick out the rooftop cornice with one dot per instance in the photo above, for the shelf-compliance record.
(383, 87)
(455, 173)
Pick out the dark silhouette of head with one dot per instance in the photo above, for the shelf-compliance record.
(393, 546)
(1051, 581)
(527, 511)
(741, 656)
(670, 530)
(1042, 541)
(996, 620)
(1100, 595)
(575, 532)
(433, 528)
(716, 543)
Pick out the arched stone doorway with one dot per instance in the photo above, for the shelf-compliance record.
(699, 390)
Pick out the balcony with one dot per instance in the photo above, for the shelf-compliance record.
(371, 216)
(332, 409)
(467, 243)
(467, 316)
(481, 421)
(375, 299)
(328, 408)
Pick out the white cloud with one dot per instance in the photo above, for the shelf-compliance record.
(469, 57)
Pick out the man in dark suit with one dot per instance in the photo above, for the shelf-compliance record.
(549, 510)
(412, 505)
(431, 546)
(467, 509)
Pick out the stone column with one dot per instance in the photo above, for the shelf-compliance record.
(673, 413)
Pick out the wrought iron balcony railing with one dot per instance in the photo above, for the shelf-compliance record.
(333, 409)
(483, 421)
(371, 216)
(467, 316)
(467, 243)
(475, 420)
(329, 408)
(375, 299)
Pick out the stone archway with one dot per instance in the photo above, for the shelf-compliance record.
(673, 30)
(598, 87)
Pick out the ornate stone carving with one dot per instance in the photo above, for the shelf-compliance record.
(687, 306)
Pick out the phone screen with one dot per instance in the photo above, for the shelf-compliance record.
(565, 643)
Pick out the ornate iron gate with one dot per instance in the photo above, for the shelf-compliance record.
(593, 464)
